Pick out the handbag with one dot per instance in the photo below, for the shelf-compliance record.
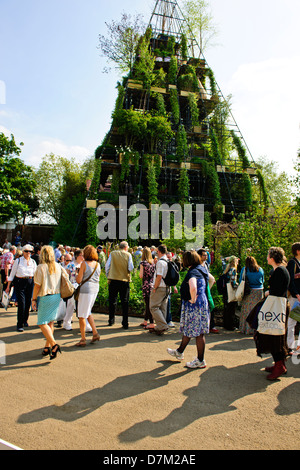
(272, 316)
(240, 291)
(77, 290)
(66, 287)
(252, 318)
(231, 293)
(5, 300)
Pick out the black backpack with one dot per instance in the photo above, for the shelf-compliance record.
(172, 276)
(222, 284)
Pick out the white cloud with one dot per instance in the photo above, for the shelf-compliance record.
(266, 104)
(35, 150)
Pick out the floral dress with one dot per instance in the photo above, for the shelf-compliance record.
(195, 318)
(148, 274)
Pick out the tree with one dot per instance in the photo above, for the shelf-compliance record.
(60, 179)
(51, 176)
(17, 183)
(200, 21)
(119, 46)
(278, 185)
(296, 182)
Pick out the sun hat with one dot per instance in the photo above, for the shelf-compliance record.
(27, 248)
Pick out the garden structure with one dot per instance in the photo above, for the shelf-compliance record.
(173, 138)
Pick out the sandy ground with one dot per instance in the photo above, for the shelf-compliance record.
(126, 393)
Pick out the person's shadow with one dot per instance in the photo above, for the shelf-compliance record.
(120, 388)
(216, 393)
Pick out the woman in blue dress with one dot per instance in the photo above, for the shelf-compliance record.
(195, 313)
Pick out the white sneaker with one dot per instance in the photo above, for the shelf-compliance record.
(175, 353)
(196, 364)
(171, 324)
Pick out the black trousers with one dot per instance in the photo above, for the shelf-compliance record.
(3, 279)
(24, 289)
(229, 318)
(122, 288)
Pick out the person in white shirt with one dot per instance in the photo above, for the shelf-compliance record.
(73, 269)
(160, 292)
(22, 274)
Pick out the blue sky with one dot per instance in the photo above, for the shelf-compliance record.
(55, 98)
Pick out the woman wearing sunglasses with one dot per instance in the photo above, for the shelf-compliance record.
(22, 274)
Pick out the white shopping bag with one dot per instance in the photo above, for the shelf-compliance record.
(272, 316)
(5, 300)
(61, 310)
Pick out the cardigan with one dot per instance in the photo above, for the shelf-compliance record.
(197, 272)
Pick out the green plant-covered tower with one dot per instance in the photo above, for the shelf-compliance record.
(173, 138)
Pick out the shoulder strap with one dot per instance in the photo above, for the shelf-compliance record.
(86, 280)
(296, 264)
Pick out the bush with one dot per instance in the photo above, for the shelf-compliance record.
(136, 301)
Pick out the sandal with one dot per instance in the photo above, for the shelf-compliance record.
(46, 351)
(81, 344)
(95, 338)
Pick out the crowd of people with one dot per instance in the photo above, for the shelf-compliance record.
(36, 271)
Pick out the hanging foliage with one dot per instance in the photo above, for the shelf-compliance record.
(240, 150)
(175, 106)
(263, 188)
(247, 191)
(152, 185)
(214, 148)
(183, 47)
(193, 104)
(173, 70)
(181, 144)
(94, 188)
(183, 186)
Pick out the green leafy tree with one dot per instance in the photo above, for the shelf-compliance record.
(296, 182)
(58, 178)
(277, 186)
(120, 43)
(17, 183)
(200, 21)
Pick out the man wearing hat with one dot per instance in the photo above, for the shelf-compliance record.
(22, 274)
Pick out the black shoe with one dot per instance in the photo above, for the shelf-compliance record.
(53, 354)
(46, 351)
(111, 323)
(125, 327)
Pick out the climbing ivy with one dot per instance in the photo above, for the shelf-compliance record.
(193, 104)
(181, 144)
(183, 186)
(152, 185)
(240, 150)
(174, 106)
